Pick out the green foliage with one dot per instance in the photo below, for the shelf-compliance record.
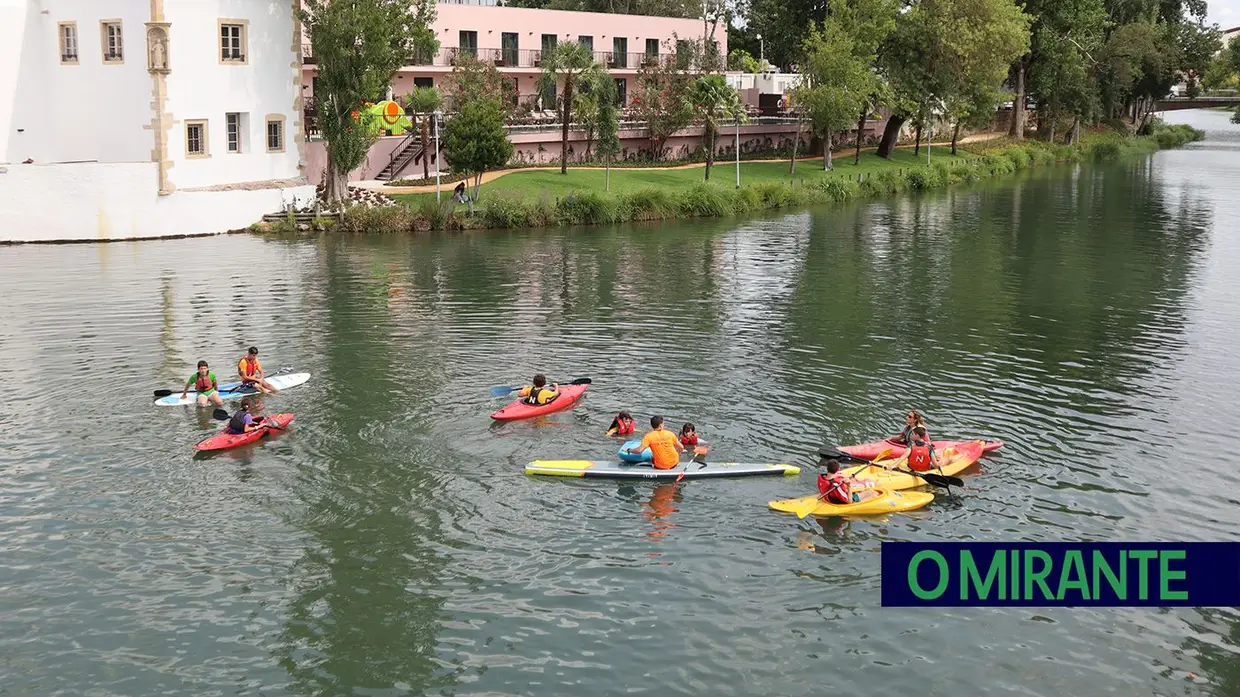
(572, 64)
(475, 139)
(661, 96)
(713, 101)
(587, 208)
(742, 60)
(358, 47)
(472, 79)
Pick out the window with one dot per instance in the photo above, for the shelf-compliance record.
(587, 41)
(233, 40)
(652, 48)
(619, 52)
(509, 43)
(234, 126)
(548, 43)
(196, 139)
(469, 43)
(622, 92)
(684, 53)
(423, 82)
(275, 134)
(113, 45)
(68, 43)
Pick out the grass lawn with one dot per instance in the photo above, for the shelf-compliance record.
(535, 183)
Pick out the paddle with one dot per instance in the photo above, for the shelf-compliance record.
(699, 455)
(221, 415)
(169, 393)
(805, 508)
(939, 479)
(500, 391)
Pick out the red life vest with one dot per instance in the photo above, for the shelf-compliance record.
(689, 440)
(251, 365)
(834, 488)
(919, 459)
(624, 427)
(203, 383)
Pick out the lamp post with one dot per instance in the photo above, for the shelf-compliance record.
(761, 52)
(438, 164)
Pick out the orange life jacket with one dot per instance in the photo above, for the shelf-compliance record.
(920, 456)
(834, 488)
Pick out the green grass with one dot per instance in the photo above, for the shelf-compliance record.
(550, 183)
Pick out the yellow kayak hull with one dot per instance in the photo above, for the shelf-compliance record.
(885, 502)
(869, 477)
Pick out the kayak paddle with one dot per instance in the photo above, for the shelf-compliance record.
(500, 391)
(929, 477)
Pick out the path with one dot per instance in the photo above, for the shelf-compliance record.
(382, 187)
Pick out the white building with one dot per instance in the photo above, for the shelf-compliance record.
(147, 118)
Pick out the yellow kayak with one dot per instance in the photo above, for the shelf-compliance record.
(885, 502)
(958, 458)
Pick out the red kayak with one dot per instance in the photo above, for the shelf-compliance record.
(224, 439)
(869, 451)
(569, 394)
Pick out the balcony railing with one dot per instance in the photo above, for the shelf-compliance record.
(507, 58)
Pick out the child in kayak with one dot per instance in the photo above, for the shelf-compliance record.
(912, 420)
(665, 447)
(837, 489)
(921, 455)
(622, 425)
(251, 372)
(539, 393)
(205, 384)
(242, 421)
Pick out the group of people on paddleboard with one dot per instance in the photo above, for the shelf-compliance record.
(920, 456)
(204, 382)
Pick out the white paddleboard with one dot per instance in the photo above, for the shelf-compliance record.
(234, 390)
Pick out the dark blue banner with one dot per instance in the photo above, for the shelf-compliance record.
(1064, 574)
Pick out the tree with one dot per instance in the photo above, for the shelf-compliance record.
(586, 109)
(471, 79)
(784, 26)
(476, 140)
(425, 101)
(608, 123)
(358, 47)
(713, 100)
(661, 97)
(742, 60)
(570, 63)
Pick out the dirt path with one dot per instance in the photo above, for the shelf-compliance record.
(494, 174)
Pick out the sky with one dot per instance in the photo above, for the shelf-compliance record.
(1225, 13)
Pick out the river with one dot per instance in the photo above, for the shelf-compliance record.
(390, 543)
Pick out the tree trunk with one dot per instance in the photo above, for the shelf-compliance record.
(860, 130)
(827, 164)
(565, 113)
(426, 143)
(891, 133)
(955, 137)
(607, 186)
(917, 142)
(796, 140)
(1016, 128)
(337, 183)
(710, 150)
(1074, 131)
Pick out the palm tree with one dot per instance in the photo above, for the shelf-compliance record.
(573, 64)
(425, 101)
(714, 100)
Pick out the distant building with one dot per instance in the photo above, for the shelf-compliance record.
(1229, 34)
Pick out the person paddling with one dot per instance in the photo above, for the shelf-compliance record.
(921, 455)
(665, 447)
(205, 384)
(911, 420)
(835, 488)
(242, 421)
(251, 371)
(539, 393)
(622, 425)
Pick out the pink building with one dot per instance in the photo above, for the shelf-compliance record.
(515, 38)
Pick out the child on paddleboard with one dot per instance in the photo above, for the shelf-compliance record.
(251, 371)
(205, 384)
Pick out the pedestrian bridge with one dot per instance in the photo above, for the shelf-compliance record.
(1177, 103)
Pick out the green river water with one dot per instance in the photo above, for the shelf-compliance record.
(390, 544)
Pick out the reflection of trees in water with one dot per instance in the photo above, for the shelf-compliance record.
(1219, 664)
(362, 618)
(1094, 269)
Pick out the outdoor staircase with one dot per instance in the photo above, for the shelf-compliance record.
(409, 152)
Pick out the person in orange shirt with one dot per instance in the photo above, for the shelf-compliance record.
(665, 447)
(251, 372)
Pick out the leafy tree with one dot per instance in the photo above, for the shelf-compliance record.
(586, 109)
(358, 47)
(475, 140)
(570, 63)
(425, 101)
(713, 101)
(1223, 70)
(742, 60)
(784, 26)
(471, 78)
(608, 123)
(661, 97)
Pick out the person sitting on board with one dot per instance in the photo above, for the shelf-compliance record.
(688, 436)
(622, 425)
(911, 420)
(835, 488)
(251, 371)
(242, 421)
(665, 447)
(921, 455)
(539, 393)
(205, 384)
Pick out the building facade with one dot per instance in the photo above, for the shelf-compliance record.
(147, 118)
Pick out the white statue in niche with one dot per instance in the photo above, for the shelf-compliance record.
(157, 49)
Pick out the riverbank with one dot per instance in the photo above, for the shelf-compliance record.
(542, 198)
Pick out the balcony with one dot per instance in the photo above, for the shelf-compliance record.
(505, 58)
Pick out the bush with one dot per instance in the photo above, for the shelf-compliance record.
(507, 211)
(705, 201)
(586, 208)
(648, 204)
(375, 219)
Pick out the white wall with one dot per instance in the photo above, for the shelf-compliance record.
(88, 201)
(199, 87)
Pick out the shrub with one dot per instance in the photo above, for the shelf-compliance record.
(648, 204)
(507, 211)
(376, 219)
(705, 201)
(586, 208)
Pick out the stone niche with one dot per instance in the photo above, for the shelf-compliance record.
(157, 48)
